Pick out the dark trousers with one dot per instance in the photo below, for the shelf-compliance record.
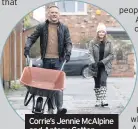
(101, 78)
(57, 99)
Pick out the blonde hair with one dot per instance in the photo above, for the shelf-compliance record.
(98, 39)
(53, 6)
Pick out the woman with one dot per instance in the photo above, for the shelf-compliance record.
(102, 55)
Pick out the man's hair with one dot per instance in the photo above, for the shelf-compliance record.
(53, 6)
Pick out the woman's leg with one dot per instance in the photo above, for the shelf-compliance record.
(103, 88)
(97, 89)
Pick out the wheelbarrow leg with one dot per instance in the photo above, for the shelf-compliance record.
(46, 102)
(26, 102)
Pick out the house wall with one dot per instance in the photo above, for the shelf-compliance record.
(124, 68)
(82, 27)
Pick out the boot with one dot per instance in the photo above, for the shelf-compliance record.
(97, 94)
(103, 92)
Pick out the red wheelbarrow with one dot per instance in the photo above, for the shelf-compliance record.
(43, 83)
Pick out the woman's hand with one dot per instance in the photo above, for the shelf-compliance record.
(100, 64)
(93, 65)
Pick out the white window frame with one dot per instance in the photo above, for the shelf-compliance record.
(76, 8)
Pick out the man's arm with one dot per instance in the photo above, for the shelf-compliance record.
(67, 42)
(32, 38)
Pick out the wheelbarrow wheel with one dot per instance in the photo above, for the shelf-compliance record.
(39, 104)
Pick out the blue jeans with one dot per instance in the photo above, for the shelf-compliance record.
(57, 99)
(52, 63)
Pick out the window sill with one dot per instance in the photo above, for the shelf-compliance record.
(73, 14)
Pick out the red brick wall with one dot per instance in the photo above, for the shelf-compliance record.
(122, 69)
(84, 26)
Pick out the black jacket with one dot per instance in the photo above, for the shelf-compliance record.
(64, 40)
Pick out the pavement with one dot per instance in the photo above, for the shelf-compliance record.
(79, 96)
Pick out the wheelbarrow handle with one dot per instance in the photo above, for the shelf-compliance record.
(27, 60)
(63, 65)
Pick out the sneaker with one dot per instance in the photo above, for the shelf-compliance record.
(62, 111)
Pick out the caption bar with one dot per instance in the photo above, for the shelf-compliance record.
(71, 121)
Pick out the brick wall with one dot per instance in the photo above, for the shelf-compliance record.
(124, 68)
(84, 26)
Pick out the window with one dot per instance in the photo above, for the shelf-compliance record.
(72, 8)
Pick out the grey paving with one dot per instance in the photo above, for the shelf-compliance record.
(79, 97)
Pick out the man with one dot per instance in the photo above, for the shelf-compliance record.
(55, 47)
